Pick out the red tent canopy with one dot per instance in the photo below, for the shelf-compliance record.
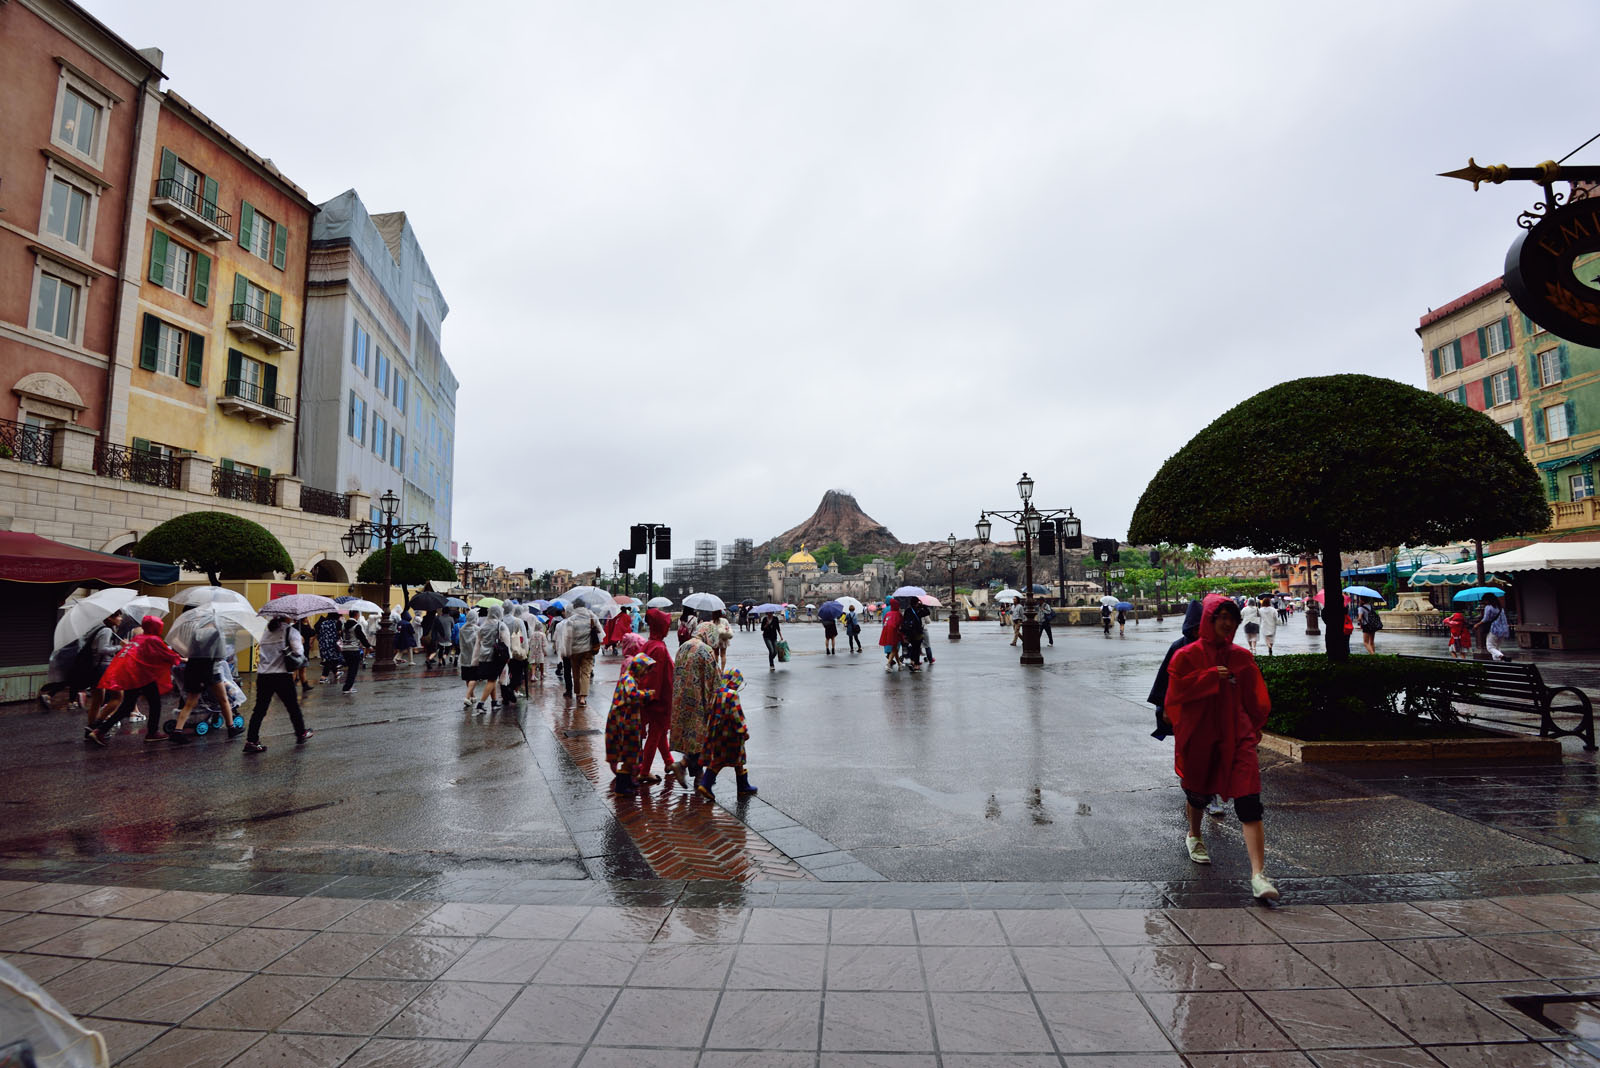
(30, 558)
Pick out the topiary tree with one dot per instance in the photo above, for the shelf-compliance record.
(1345, 462)
(220, 544)
(410, 569)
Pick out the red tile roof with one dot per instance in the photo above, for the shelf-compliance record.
(1461, 302)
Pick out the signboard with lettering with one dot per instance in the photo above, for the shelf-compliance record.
(1542, 271)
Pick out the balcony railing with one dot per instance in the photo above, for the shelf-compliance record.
(324, 502)
(1565, 515)
(257, 403)
(136, 465)
(25, 444)
(236, 485)
(179, 203)
(251, 319)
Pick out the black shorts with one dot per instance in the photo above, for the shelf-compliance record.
(830, 629)
(198, 673)
(1248, 808)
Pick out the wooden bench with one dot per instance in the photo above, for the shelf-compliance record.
(1518, 687)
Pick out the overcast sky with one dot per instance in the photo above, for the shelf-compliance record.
(706, 261)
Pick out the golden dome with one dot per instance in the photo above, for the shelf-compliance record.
(802, 558)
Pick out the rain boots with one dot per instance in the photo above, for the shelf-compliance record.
(744, 783)
(704, 783)
(623, 784)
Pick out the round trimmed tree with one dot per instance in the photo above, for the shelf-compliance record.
(219, 543)
(1342, 463)
(410, 569)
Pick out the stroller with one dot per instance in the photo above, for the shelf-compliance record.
(207, 715)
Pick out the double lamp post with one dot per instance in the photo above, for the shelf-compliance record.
(1028, 522)
(360, 538)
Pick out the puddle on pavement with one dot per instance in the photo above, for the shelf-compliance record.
(1033, 804)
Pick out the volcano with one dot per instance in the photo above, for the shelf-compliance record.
(839, 518)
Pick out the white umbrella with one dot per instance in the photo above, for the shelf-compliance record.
(704, 602)
(850, 602)
(357, 606)
(593, 597)
(1007, 596)
(909, 591)
(147, 606)
(659, 602)
(209, 629)
(1108, 601)
(607, 611)
(211, 595)
(84, 615)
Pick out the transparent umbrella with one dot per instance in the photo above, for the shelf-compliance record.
(593, 596)
(84, 615)
(704, 602)
(210, 630)
(659, 602)
(210, 595)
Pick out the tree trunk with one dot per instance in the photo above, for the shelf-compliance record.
(1333, 614)
(212, 575)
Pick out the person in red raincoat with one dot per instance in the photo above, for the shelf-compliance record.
(143, 668)
(889, 637)
(1217, 702)
(656, 715)
(617, 626)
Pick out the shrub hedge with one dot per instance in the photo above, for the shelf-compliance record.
(1315, 698)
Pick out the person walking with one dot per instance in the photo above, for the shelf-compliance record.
(353, 644)
(623, 722)
(726, 735)
(1251, 615)
(1494, 626)
(1460, 643)
(583, 640)
(405, 639)
(491, 653)
(830, 634)
(98, 649)
(889, 637)
(280, 652)
(1217, 703)
(1189, 633)
(695, 686)
(1269, 627)
(1016, 621)
(656, 713)
(142, 668)
(1122, 622)
(1371, 624)
(1105, 619)
(852, 630)
(911, 632)
(771, 633)
(517, 645)
(200, 677)
(1047, 617)
(328, 647)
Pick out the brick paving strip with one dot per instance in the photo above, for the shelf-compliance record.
(179, 977)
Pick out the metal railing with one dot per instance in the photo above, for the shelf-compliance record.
(236, 485)
(25, 444)
(254, 316)
(136, 465)
(190, 199)
(324, 502)
(249, 391)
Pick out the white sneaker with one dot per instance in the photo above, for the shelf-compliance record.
(1197, 850)
(1262, 889)
(1218, 808)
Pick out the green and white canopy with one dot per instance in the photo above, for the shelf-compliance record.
(1504, 567)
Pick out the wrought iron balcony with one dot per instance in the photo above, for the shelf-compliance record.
(236, 485)
(182, 206)
(324, 502)
(25, 444)
(136, 465)
(249, 321)
(255, 404)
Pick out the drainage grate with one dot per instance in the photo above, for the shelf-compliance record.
(1575, 1017)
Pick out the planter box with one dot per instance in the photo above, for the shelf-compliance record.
(1500, 747)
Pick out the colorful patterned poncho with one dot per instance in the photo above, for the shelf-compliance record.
(726, 730)
(622, 722)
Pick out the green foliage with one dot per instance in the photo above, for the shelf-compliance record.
(834, 554)
(218, 543)
(902, 558)
(409, 570)
(1315, 698)
(1344, 461)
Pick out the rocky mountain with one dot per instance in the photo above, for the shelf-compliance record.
(838, 518)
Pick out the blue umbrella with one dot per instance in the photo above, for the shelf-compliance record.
(1124, 606)
(454, 602)
(1363, 591)
(1037, 588)
(1477, 593)
(346, 599)
(830, 610)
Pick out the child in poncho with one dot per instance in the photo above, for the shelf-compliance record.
(1460, 636)
(622, 722)
(726, 733)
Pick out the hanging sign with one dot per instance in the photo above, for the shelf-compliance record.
(1543, 278)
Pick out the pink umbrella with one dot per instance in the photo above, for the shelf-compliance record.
(1322, 598)
(624, 599)
(930, 600)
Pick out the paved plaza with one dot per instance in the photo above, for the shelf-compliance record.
(974, 865)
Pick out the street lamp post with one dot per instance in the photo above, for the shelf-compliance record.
(466, 566)
(1028, 521)
(950, 561)
(413, 537)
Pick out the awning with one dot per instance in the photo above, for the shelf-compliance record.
(1503, 567)
(1567, 461)
(30, 558)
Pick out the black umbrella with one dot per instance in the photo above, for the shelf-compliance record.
(428, 601)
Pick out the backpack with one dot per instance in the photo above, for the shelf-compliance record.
(1371, 620)
(82, 672)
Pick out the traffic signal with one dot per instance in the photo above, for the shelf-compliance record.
(528, 573)
(1047, 540)
(637, 540)
(626, 559)
(663, 543)
(1155, 557)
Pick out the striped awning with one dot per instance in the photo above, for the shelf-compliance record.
(1504, 567)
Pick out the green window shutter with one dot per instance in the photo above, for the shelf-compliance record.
(1505, 324)
(1572, 419)
(264, 472)
(247, 222)
(280, 247)
(158, 257)
(1438, 369)
(1455, 349)
(227, 464)
(235, 358)
(1566, 369)
(275, 307)
(149, 342)
(1538, 426)
(239, 283)
(269, 384)
(202, 278)
(1515, 393)
(1534, 381)
(1516, 431)
(1483, 343)
(192, 373)
(141, 444)
(169, 163)
(209, 208)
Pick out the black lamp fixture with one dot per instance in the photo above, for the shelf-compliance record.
(1028, 522)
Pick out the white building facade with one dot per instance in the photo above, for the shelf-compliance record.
(378, 408)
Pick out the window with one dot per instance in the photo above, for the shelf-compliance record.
(55, 311)
(1550, 367)
(358, 350)
(1555, 422)
(256, 299)
(381, 373)
(380, 435)
(80, 122)
(400, 392)
(262, 236)
(357, 427)
(176, 270)
(397, 450)
(1503, 388)
(1447, 358)
(67, 215)
(167, 350)
(377, 515)
(1495, 338)
(1582, 486)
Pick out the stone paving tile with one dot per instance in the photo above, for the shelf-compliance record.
(975, 928)
(856, 1021)
(1365, 964)
(301, 1051)
(260, 1003)
(184, 1047)
(971, 968)
(41, 969)
(522, 1055)
(989, 1023)
(1395, 920)
(1271, 967)
(704, 925)
(311, 913)
(1326, 1019)
(1105, 1022)
(1310, 923)
(97, 937)
(788, 926)
(169, 905)
(617, 1057)
(778, 967)
(240, 910)
(1437, 1014)
(499, 960)
(1549, 954)
(29, 931)
(1478, 917)
(1259, 1059)
(671, 1018)
(93, 983)
(1558, 912)
(1526, 1056)
(768, 1020)
(457, 1010)
(882, 927)
(1062, 969)
(539, 921)
(1460, 960)
(330, 953)
(1218, 927)
(43, 897)
(104, 901)
(124, 1037)
(1045, 927)
(354, 1007)
(409, 1053)
(683, 966)
(172, 943)
(457, 918)
(554, 1014)
(874, 968)
(1492, 996)
(1134, 927)
(1215, 1023)
(591, 963)
(1168, 968)
(1403, 1057)
(405, 957)
(384, 917)
(248, 949)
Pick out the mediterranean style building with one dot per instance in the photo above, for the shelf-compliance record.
(801, 580)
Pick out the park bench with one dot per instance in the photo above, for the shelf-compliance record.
(1518, 687)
